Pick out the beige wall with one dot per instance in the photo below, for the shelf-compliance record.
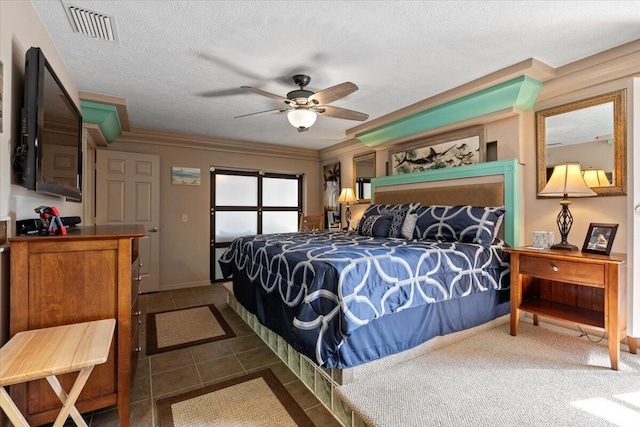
(184, 247)
(20, 29)
(503, 130)
(540, 214)
(515, 134)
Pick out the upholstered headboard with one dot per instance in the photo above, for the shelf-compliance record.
(483, 184)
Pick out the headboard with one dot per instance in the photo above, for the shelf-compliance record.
(483, 184)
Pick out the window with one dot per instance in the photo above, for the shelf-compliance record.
(251, 202)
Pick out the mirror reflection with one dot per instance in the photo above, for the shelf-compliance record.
(364, 168)
(590, 132)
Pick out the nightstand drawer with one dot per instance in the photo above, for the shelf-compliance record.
(564, 271)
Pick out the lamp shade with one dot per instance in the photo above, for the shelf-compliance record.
(302, 118)
(566, 181)
(347, 196)
(595, 178)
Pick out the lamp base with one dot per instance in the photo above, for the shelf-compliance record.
(565, 247)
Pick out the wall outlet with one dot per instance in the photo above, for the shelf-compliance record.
(184, 217)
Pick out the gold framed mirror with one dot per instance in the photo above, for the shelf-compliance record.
(592, 132)
(364, 168)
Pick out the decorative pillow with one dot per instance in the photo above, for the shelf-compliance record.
(409, 225)
(462, 223)
(375, 225)
(397, 212)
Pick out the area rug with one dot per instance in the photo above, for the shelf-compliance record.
(258, 399)
(545, 376)
(171, 330)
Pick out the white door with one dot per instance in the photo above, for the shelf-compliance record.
(128, 192)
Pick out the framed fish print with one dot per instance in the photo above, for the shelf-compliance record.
(453, 149)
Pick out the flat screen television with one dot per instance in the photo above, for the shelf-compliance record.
(49, 159)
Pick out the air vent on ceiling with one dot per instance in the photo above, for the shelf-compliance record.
(90, 23)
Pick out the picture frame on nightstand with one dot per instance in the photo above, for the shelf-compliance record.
(599, 238)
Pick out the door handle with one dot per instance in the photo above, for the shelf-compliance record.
(637, 209)
(154, 230)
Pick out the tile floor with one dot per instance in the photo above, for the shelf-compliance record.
(174, 372)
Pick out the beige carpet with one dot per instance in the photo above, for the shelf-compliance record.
(545, 376)
(175, 329)
(253, 400)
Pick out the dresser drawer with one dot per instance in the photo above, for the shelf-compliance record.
(563, 271)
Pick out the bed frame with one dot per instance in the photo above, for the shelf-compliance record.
(485, 184)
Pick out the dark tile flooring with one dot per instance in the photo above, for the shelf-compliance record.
(190, 368)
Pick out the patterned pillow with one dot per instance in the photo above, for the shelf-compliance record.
(462, 223)
(376, 225)
(397, 212)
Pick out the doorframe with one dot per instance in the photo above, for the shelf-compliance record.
(633, 201)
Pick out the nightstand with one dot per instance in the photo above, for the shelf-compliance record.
(581, 288)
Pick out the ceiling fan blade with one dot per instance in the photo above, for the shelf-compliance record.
(339, 113)
(267, 94)
(260, 112)
(333, 93)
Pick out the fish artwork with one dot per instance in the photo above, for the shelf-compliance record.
(427, 158)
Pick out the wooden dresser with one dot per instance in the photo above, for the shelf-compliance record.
(89, 274)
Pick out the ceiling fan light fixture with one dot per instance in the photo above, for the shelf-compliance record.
(302, 118)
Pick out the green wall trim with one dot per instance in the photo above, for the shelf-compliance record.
(510, 169)
(103, 115)
(520, 92)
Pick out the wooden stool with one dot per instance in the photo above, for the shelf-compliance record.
(40, 353)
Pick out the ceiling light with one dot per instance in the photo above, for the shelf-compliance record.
(302, 118)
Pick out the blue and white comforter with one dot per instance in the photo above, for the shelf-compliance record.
(334, 282)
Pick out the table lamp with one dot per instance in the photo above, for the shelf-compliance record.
(595, 178)
(347, 197)
(566, 181)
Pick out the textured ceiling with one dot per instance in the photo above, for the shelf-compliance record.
(180, 64)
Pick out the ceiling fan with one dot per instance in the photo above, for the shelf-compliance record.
(303, 106)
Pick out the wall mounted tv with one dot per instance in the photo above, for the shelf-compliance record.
(49, 159)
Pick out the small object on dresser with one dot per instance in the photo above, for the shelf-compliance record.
(599, 238)
(543, 239)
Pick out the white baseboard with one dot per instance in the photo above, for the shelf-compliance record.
(174, 286)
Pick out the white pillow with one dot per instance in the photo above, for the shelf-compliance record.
(408, 225)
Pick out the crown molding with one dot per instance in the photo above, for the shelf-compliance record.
(116, 101)
(174, 139)
(531, 67)
(518, 93)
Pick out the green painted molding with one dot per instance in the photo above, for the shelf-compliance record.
(103, 115)
(520, 92)
(510, 169)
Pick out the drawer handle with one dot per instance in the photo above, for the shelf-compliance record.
(139, 322)
(137, 313)
(140, 265)
(139, 292)
(554, 268)
(138, 350)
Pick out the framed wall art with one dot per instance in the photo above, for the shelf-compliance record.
(460, 148)
(185, 176)
(331, 188)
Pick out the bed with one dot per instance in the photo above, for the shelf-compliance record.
(345, 299)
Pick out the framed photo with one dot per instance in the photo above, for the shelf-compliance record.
(333, 220)
(449, 150)
(600, 238)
